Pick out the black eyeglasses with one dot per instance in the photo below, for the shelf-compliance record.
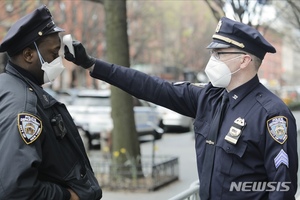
(217, 54)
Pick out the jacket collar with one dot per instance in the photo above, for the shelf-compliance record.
(236, 95)
(46, 99)
(24, 73)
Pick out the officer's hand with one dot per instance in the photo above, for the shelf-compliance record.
(81, 57)
(73, 195)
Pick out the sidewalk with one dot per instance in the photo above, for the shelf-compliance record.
(180, 145)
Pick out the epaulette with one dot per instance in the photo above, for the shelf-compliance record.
(199, 84)
(267, 103)
(31, 101)
(179, 83)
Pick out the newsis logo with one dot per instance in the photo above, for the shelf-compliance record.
(259, 186)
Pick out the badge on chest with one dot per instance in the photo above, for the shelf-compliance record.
(235, 130)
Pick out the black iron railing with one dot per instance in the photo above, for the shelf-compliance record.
(150, 175)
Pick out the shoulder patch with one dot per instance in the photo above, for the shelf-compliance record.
(277, 127)
(30, 127)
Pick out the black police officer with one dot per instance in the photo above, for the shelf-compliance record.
(42, 155)
(252, 152)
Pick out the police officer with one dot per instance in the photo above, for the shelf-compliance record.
(246, 151)
(42, 155)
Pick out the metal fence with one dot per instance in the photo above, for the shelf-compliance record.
(192, 193)
(150, 175)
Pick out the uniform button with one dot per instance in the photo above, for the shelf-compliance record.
(81, 175)
(228, 148)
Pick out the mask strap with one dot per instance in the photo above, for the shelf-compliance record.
(231, 73)
(39, 54)
(236, 71)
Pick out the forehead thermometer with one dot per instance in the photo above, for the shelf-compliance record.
(67, 40)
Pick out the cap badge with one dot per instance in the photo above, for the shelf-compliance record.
(218, 26)
(277, 127)
(30, 127)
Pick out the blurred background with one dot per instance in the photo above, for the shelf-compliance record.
(168, 38)
(164, 38)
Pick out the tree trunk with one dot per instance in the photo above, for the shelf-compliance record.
(125, 143)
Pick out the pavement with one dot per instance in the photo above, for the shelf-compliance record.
(180, 145)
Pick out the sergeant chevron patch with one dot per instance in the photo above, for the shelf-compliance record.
(281, 158)
(30, 127)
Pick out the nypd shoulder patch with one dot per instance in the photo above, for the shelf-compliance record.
(30, 127)
(277, 127)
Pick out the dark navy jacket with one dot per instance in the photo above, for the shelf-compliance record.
(240, 170)
(41, 166)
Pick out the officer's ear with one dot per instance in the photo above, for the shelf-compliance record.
(246, 59)
(28, 54)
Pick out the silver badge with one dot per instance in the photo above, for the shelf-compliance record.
(235, 130)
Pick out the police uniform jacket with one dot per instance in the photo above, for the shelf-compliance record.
(37, 160)
(261, 165)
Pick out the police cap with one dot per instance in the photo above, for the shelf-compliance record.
(28, 29)
(231, 33)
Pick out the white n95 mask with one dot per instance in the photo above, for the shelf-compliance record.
(218, 72)
(51, 70)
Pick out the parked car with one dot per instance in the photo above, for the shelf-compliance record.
(66, 96)
(173, 121)
(91, 111)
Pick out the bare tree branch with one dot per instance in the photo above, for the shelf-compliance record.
(216, 8)
(96, 1)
